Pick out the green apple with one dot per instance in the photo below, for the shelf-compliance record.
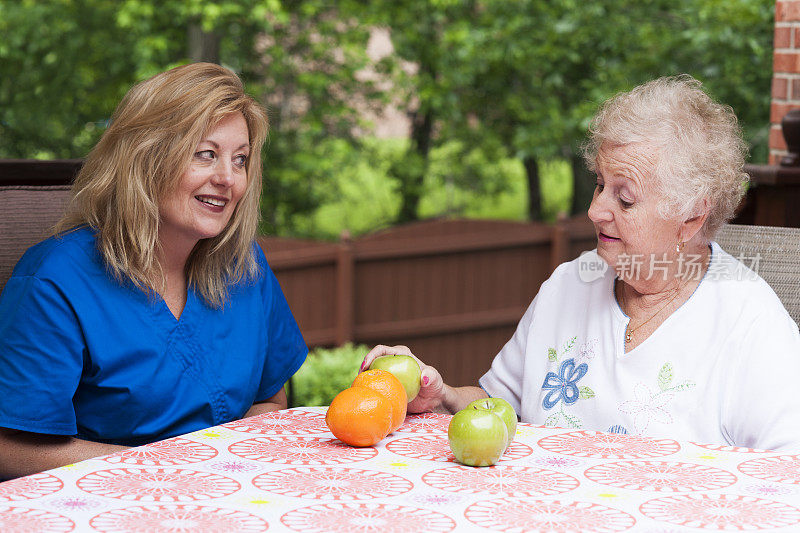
(503, 409)
(477, 436)
(404, 368)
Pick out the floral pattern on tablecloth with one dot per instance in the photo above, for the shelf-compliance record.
(426, 423)
(21, 519)
(661, 476)
(327, 483)
(550, 516)
(436, 447)
(722, 512)
(367, 517)
(511, 481)
(287, 422)
(723, 448)
(177, 519)
(27, 488)
(161, 485)
(780, 469)
(286, 472)
(600, 445)
(170, 452)
(300, 451)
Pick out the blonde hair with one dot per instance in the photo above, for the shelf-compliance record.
(141, 157)
(701, 150)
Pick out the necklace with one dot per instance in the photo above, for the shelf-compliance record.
(629, 330)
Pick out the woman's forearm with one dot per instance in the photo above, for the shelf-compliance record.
(277, 402)
(23, 453)
(455, 399)
(263, 407)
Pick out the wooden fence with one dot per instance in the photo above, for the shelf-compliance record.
(451, 290)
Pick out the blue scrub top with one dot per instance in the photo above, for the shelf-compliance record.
(84, 355)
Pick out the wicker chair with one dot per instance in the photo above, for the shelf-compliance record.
(33, 195)
(778, 253)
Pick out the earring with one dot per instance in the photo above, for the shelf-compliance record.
(679, 246)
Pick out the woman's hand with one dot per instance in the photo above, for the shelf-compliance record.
(432, 388)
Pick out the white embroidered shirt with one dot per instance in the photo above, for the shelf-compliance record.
(718, 370)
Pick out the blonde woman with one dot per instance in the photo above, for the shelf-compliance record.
(677, 339)
(151, 312)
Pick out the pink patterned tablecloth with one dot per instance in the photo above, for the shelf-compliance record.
(284, 471)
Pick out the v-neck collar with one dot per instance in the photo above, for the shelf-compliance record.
(622, 319)
(165, 320)
(186, 313)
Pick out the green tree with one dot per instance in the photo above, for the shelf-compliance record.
(64, 65)
(727, 44)
(541, 68)
(307, 66)
(302, 59)
(421, 34)
(526, 76)
(489, 78)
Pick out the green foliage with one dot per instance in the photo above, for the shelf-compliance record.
(360, 198)
(522, 79)
(728, 45)
(502, 81)
(64, 66)
(447, 196)
(326, 373)
(305, 65)
(364, 198)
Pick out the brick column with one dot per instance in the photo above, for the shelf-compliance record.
(785, 73)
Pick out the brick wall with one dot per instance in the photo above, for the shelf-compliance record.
(785, 72)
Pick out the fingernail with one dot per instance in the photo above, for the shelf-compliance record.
(425, 380)
(362, 365)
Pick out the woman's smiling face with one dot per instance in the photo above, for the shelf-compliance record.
(206, 196)
(624, 209)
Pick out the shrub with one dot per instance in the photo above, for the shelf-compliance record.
(326, 373)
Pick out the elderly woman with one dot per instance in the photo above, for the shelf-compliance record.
(151, 312)
(677, 339)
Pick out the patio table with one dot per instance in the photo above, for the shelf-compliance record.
(284, 471)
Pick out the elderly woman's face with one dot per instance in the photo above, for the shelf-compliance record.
(624, 210)
(206, 196)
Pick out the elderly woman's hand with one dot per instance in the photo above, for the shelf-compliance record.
(432, 388)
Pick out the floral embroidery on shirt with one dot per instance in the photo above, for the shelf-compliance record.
(586, 351)
(562, 386)
(649, 405)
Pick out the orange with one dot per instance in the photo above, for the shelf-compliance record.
(359, 416)
(390, 387)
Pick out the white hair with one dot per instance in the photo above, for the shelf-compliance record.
(699, 142)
